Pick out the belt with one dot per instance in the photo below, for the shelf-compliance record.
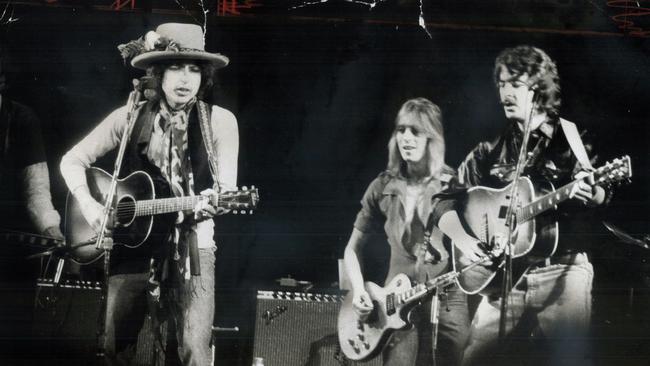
(574, 258)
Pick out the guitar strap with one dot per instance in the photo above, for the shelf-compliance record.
(208, 133)
(575, 142)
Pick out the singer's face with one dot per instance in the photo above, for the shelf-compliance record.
(514, 95)
(180, 83)
(411, 141)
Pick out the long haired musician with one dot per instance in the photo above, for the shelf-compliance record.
(398, 204)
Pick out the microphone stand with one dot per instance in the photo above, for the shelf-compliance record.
(506, 284)
(103, 241)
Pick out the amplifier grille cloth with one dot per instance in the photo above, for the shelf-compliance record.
(299, 329)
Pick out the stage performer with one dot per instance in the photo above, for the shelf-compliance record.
(398, 203)
(549, 307)
(188, 147)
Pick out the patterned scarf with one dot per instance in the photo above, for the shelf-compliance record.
(170, 154)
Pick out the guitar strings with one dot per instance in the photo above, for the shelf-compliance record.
(126, 209)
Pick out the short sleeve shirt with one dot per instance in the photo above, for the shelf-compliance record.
(382, 210)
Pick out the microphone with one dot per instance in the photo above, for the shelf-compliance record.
(147, 85)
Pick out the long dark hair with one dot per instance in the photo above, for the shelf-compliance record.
(156, 71)
(541, 70)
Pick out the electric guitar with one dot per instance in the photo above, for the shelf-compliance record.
(132, 213)
(361, 340)
(484, 215)
(392, 305)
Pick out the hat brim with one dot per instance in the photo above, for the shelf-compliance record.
(145, 60)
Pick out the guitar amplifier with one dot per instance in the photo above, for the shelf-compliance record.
(66, 316)
(66, 321)
(299, 329)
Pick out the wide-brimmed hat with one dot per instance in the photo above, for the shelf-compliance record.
(176, 41)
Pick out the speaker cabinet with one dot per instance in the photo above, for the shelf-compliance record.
(299, 329)
(66, 324)
(66, 317)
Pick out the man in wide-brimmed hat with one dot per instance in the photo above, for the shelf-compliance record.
(187, 147)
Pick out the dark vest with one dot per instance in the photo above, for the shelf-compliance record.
(126, 260)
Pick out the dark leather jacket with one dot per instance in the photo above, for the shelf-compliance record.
(549, 159)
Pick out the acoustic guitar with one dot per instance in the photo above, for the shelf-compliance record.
(132, 214)
(484, 212)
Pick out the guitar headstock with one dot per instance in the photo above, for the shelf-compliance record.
(617, 171)
(241, 201)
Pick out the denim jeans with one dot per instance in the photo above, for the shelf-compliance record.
(547, 322)
(413, 347)
(191, 311)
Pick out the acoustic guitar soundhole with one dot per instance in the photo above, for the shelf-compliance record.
(125, 211)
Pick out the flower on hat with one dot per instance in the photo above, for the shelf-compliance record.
(152, 41)
(131, 49)
(155, 42)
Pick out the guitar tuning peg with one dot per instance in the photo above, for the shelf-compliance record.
(244, 188)
(235, 212)
(250, 212)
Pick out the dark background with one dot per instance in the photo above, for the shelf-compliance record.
(316, 92)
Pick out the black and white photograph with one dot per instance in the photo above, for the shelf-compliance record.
(327, 182)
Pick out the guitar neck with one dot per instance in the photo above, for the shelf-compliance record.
(415, 293)
(238, 200)
(615, 171)
(166, 205)
(420, 290)
(545, 203)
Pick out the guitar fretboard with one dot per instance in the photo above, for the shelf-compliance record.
(160, 206)
(166, 205)
(418, 291)
(240, 200)
(411, 294)
(544, 203)
(616, 171)
(421, 289)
